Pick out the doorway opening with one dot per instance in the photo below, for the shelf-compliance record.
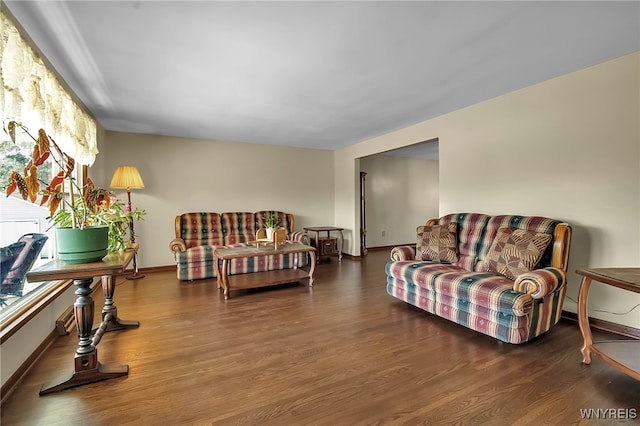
(399, 190)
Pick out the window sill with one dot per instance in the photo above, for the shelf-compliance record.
(14, 321)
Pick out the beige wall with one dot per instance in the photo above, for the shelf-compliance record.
(567, 148)
(17, 349)
(182, 175)
(398, 190)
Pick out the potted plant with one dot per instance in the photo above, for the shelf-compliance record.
(86, 219)
(271, 222)
(118, 218)
(115, 216)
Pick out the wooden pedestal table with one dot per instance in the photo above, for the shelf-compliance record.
(87, 369)
(261, 279)
(622, 354)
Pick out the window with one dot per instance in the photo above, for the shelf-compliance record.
(22, 220)
(32, 95)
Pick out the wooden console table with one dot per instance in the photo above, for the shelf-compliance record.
(87, 369)
(622, 354)
(326, 244)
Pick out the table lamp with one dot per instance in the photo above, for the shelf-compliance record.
(128, 177)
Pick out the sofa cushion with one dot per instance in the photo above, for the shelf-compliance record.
(419, 272)
(471, 240)
(438, 243)
(238, 227)
(484, 289)
(529, 223)
(198, 229)
(515, 251)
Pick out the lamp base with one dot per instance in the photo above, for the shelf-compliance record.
(134, 276)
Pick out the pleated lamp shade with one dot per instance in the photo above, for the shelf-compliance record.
(126, 177)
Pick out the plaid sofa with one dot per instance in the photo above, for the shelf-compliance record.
(469, 291)
(198, 234)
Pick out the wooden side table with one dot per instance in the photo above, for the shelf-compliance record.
(87, 369)
(326, 244)
(622, 354)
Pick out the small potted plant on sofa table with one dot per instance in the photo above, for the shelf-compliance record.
(271, 223)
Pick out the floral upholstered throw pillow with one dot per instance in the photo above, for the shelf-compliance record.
(438, 243)
(515, 251)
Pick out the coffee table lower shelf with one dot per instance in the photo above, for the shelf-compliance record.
(622, 354)
(224, 255)
(266, 279)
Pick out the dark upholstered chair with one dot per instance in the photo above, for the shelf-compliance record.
(8, 256)
(13, 280)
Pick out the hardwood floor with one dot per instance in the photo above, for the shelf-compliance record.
(341, 353)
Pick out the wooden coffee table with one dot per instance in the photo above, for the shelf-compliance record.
(261, 279)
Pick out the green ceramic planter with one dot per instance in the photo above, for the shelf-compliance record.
(82, 245)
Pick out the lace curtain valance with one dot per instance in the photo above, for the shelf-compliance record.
(31, 94)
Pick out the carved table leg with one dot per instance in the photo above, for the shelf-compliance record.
(87, 369)
(216, 268)
(113, 322)
(583, 320)
(225, 278)
(317, 244)
(340, 247)
(312, 266)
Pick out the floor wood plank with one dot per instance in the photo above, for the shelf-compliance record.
(341, 353)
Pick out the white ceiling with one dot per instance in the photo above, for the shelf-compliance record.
(312, 74)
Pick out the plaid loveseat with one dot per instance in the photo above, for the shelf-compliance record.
(504, 276)
(198, 234)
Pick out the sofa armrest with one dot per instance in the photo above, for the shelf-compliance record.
(561, 243)
(403, 253)
(300, 237)
(540, 282)
(177, 245)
